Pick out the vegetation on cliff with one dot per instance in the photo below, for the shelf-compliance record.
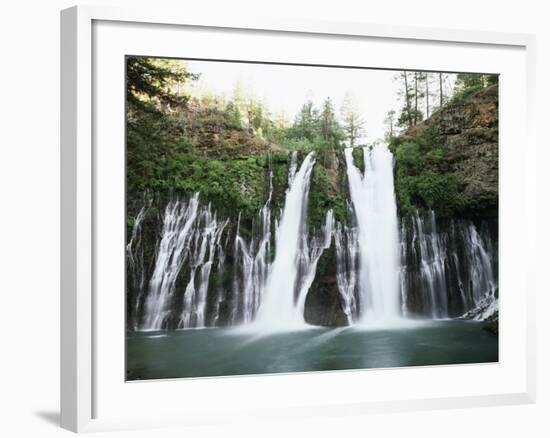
(449, 162)
(226, 148)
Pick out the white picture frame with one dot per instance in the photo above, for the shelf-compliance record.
(83, 370)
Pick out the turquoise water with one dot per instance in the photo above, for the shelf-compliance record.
(230, 351)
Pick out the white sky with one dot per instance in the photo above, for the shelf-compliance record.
(285, 88)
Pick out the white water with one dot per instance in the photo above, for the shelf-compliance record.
(252, 264)
(432, 270)
(437, 270)
(373, 198)
(136, 267)
(347, 256)
(456, 263)
(176, 232)
(278, 309)
(207, 240)
(309, 256)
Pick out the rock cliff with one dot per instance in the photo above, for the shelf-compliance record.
(460, 140)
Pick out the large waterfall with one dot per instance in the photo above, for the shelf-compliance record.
(278, 308)
(373, 198)
(190, 268)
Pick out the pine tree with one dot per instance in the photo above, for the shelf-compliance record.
(390, 123)
(328, 125)
(352, 123)
(427, 95)
(306, 122)
(150, 82)
(468, 81)
(441, 98)
(409, 93)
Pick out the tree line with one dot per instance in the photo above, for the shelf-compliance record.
(423, 93)
(317, 128)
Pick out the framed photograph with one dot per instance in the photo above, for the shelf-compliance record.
(262, 208)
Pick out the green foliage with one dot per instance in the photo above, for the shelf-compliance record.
(149, 81)
(410, 158)
(474, 80)
(411, 94)
(321, 200)
(353, 125)
(469, 83)
(232, 185)
(418, 184)
(221, 147)
(358, 158)
(314, 131)
(440, 192)
(306, 125)
(233, 115)
(462, 93)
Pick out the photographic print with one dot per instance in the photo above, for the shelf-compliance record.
(293, 218)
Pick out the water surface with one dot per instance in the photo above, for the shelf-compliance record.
(230, 351)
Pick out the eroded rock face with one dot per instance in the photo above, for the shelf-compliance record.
(468, 128)
(323, 306)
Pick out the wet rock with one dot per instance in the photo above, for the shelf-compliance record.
(323, 306)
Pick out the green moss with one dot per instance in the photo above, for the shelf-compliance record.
(322, 198)
(232, 185)
(429, 190)
(358, 158)
(460, 95)
(420, 184)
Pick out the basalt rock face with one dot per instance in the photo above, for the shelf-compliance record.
(454, 251)
(209, 128)
(323, 304)
(467, 129)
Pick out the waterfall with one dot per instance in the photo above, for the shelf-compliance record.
(179, 218)
(347, 256)
(221, 295)
(207, 240)
(479, 255)
(278, 309)
(136, 265)
(190, 236)
(252, 264)
(446, 272)
(309, 256)
(373, 199)
(425, 267)
(432, 266)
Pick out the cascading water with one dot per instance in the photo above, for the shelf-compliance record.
(207, 240)
(373, 198)
(136, 265)
(447, 273)
(252, 264)
(347, 256)
(176, 232)
(221, 294)
(309, 256)
(278, 309)
(432, 269)
(447, 267)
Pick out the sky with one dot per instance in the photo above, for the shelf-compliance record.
(285, 88)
